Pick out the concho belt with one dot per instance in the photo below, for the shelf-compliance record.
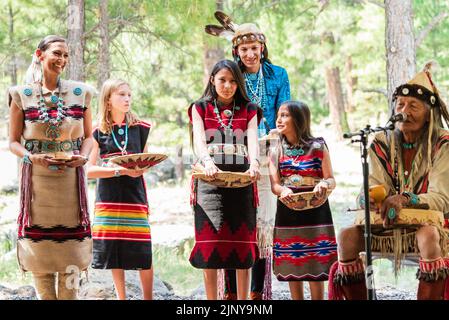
(227, 149)
(296, 180)
(36, 146)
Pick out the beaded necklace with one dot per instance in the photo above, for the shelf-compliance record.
(226, 128)
(406, 175)
(124, 143)
(53, 132)
(257, 94)
(293, 151)
(407, 153)
(406, 145)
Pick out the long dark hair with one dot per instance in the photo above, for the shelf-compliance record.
(300, 113)
(210, 94)
(241, 97)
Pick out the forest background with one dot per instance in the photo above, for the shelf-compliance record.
(344, 58)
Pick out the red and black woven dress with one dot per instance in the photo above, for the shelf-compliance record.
(225, 218)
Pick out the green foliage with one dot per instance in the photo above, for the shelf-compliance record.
(10, 272)
(158, 46)
(172, 265)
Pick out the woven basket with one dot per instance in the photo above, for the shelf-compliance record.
(60, 156)
(305, 200)
(138, 161)
(224, 179)
(406, 217)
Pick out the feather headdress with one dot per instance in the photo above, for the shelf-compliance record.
(231, 31)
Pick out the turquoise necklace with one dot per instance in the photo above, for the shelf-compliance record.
(257, 91)
(293, 151)
(406, 175)
(53, 132)
(124, 143)
(406, 145)
(226, 128)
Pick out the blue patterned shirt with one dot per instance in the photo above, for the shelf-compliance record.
(277, 90)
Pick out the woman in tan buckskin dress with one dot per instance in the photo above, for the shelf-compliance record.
(54, 118)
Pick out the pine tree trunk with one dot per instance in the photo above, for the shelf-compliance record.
(104, 68)
(400, 44)
(350, 84)
(211, 57)
(336, 101)
(179, 164)
(212, 54)
(12, 43)
(75, 39)
(334, 89)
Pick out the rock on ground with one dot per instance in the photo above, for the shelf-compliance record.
(21, 293)
(99, 286)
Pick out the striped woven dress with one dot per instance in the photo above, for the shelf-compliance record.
(304, 245)
(121, 230)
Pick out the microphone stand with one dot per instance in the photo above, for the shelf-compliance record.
(363, 139)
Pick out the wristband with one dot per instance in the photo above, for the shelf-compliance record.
(85, 158)
(413, 199)
(26, 158)
(361, 201)
(326, 182)
(206, 158)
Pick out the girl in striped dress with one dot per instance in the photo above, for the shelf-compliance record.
(121, 231)
(304, 244)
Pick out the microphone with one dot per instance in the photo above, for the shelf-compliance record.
(398, 117)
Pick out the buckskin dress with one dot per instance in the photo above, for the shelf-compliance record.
(54, 231)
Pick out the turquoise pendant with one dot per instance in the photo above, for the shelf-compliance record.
(54, 99)
(77, 91)
(406, 145)
(121, 131)
(227, 113)
(52, 132)
(28, 92)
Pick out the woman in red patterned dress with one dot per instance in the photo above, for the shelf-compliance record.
(225, 218)
(304, 244)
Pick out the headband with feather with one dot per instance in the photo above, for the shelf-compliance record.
(423, 88)
(231, 31)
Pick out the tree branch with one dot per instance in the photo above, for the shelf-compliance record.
(87, 34)
(375, 2)
(430, 26)
(381, 91)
